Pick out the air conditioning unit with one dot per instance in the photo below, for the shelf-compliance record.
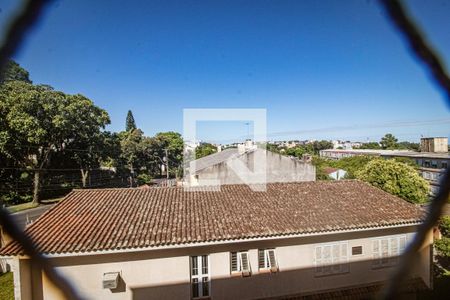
(110, 280)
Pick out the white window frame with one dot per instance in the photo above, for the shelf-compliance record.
(334, 264)
(267, 263)
(200, 276)
(396, 245)
(239, 269)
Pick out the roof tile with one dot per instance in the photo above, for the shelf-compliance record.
(112, 219)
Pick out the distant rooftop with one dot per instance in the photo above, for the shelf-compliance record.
(215, 158)
(401, 153)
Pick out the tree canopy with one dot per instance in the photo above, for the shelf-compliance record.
(396, 178)
(205, 149)
(38, 121)
(14, 72)
(388, 141)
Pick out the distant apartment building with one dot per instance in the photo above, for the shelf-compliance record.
(215, 169)
(431, 164)
(302, 240)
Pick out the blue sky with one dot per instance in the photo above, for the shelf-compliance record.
(312, 64)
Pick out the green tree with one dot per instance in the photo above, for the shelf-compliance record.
(14, 72)
(370, 145)
(396, 178)
(205, 149)
(409, 146)
(389, 141)
(38, 122)
(131, 144)
(173, 142)
(130, 123)
(321, 145)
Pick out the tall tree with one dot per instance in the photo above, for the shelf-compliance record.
(38, 121)
(130, 123)
(14, 72)
(396, 178)
(389, 141)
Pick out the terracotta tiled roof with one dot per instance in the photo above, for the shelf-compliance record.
(113, 219)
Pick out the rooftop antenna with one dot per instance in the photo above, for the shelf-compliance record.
(248, 129)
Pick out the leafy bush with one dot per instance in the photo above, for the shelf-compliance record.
(443, 246)
(444, 226)
(11, 198)
(144, 179)
(396, 178)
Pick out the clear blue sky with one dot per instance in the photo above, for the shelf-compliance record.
(311, 64)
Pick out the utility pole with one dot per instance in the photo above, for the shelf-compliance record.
(167, 163)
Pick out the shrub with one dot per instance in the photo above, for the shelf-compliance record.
(444, 226)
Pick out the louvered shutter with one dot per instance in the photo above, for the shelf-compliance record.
(318, 259)
(344, 258)
(376, 252)
(234, 262)
(402, 244)
(245, 266)
(272, 261)
(261, 259)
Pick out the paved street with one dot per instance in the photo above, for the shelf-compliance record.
(30, 215)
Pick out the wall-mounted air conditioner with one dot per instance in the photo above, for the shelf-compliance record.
(110, 280)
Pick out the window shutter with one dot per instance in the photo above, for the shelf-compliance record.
(376, 252)
(244, 262)
(261, 259)
(402, 244)
(327, 260)
(272, 261)
(344, 258)
(245, 265)
(318, 259)
(335, 258)
(234, 262)
(384, 251)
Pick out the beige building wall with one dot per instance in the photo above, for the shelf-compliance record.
(165, 274)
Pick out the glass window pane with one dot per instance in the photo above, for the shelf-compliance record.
(195, 291)
(205, 286)
(194, 264)
(204, 264)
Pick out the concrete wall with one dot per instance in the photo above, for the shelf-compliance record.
(165, 274)
(279, 168)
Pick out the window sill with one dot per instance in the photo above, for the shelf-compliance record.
(240, 274)
(267, 270)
